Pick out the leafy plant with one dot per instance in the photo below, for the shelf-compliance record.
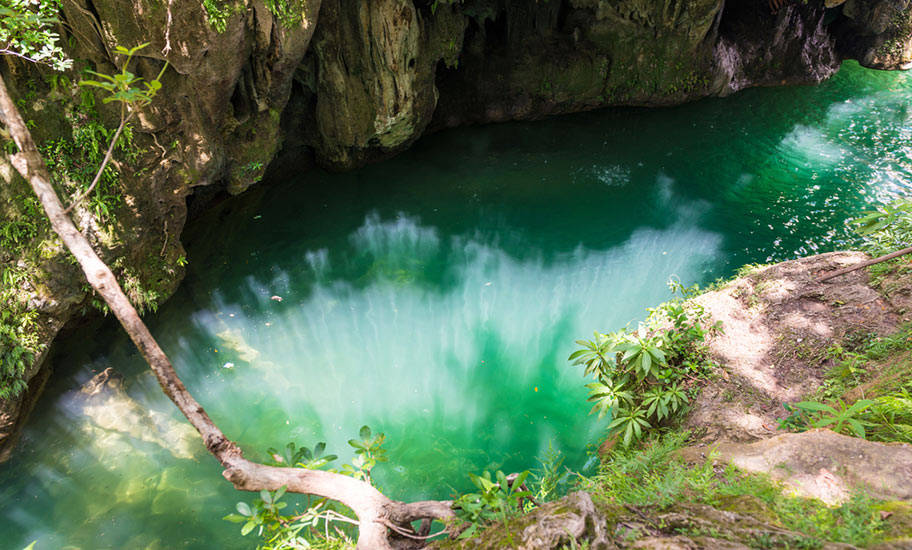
(303, 457)
(317, 525)
(25, 31)
(18, 345)
(132, 93)
(811, 414)
(124, 87)
(890, 416)
(643, 377)
(496, 500)
(549, 479)
(368, 452)
(288, 12)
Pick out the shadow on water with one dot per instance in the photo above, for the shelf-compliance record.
(436, 296)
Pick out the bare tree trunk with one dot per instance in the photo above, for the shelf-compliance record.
(374, 510)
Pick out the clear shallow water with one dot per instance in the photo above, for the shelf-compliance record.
(436, 296)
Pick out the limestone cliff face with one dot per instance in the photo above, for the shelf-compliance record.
(876, 33)
(349, 82)
(216, 120)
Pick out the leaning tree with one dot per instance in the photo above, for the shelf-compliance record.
(383, 523)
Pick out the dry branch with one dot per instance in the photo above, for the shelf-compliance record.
(856, 267)
(374, 510)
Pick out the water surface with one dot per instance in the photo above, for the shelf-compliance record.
(436, 296)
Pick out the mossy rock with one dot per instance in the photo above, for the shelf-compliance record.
(897, 521)
(748, 505)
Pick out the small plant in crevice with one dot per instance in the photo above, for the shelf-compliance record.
(646, 377)
(497, 499)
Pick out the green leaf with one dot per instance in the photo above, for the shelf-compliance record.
(247, 528)
(857, 428)
(658, 355)
(823, 422)
(468, 533)
(365, 433)
(280, 493)
(235, 518)
(521, 478)
(813, 406)
(244, 509)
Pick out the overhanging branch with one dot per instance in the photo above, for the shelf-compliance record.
(374, 509)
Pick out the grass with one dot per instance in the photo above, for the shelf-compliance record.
(654, 476)
(880, 370)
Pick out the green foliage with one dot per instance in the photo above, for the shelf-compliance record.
(74, 161)
(18, 329)
(301, 458)
(18, 345)
(891, 416)
(289, 532)
(643, 377)
(25, 31)
(844, 419)
(288, 12)
(550, 480)
(368, 452)
(654, 475)
(888, 227)
(495, 500)
(125, 87)
(886, 412)
(219, 11)
(316, 525)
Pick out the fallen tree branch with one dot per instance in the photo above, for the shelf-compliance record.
(370, 505)
(856, 267)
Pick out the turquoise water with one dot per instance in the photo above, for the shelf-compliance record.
(436, 296)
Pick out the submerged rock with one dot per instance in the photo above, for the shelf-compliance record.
(112, 413)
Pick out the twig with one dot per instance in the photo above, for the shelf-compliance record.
(164, 246)
(104, 162)
(5, 51)
(866, 264)
(405, 533)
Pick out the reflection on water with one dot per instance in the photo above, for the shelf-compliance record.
(436, 296)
